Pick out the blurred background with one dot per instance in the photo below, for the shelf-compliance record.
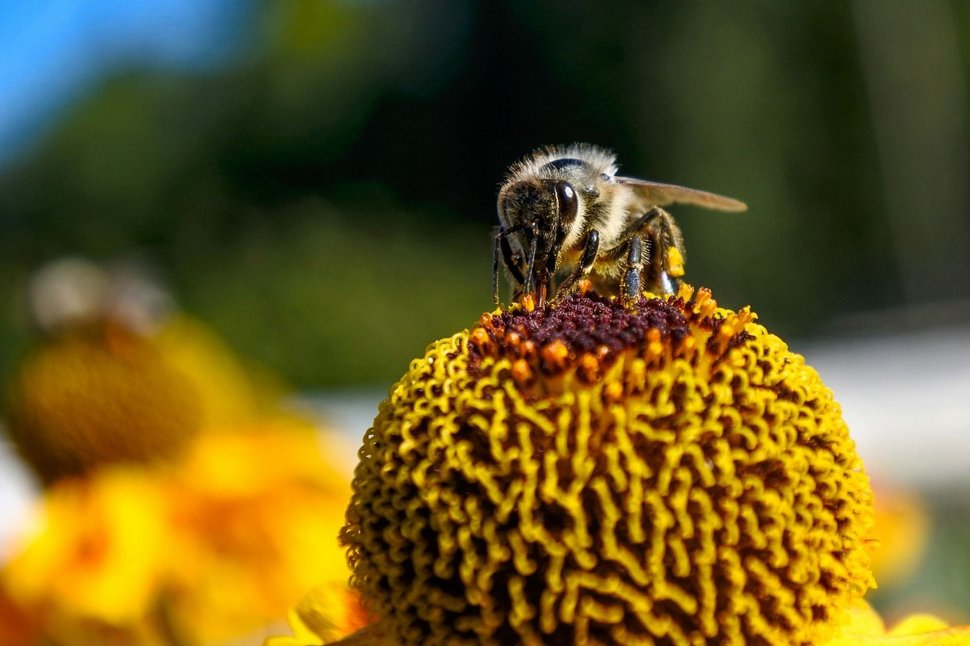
(316, 180)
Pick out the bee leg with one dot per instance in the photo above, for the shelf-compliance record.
(664, 261)
(590, 249)
(634, 269)
(495, 251)
(501, 243)
(668, 262)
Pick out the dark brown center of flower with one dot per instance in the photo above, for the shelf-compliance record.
(589, 331)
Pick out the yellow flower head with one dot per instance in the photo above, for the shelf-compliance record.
(118, 377)
(104, 393)
(204, 550)
(593, 473)
(99, 395)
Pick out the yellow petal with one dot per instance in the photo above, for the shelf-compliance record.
(98, 550)
(918, 624)
(863, 627)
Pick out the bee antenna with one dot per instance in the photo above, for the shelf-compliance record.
(496, 241)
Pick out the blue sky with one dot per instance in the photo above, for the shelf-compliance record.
(53, 50)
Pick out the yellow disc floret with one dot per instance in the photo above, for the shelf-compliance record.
(589, 472)
(97, 396)
(105, 393)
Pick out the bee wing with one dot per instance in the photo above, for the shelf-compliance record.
(657, 194)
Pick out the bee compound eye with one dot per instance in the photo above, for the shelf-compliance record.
(568, 202)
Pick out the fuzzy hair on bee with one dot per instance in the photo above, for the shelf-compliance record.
(565, 215)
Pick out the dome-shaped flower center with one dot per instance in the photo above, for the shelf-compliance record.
(588, 333)
(594, 473)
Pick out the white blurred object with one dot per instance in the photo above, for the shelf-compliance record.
(17, 494)
(906, 399)
(67, 292)
(349, 412)
(76, 291)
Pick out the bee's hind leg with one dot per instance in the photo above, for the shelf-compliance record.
(590, 250)
(634, 269)
(668, 262)
(661, 264)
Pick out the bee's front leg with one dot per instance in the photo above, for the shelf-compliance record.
(512, 261)
(591, 248)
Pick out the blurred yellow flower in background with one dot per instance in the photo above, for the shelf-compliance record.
(98, 396)
(118, 378)
(232, 391)
(216, 546)
(901, 534)
(184, 502)
(17, 627)
(97, 547)
(257, 516)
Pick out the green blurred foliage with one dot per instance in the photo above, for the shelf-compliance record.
(343, 297)
(326, 198)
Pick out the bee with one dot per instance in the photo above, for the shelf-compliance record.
(564, 212)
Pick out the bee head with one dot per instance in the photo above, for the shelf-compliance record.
(535, 217)
(543, 210)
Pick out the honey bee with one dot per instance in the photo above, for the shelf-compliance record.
(563, 211)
